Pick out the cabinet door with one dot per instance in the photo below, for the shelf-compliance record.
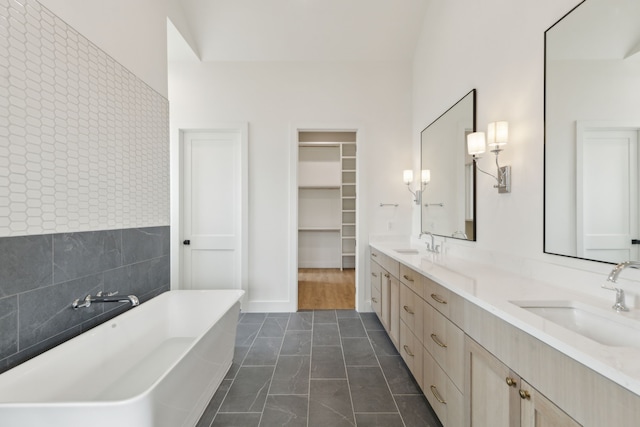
(394, 310)
(491, 389)
(538, 411)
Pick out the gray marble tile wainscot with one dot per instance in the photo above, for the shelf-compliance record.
(323, 368)
(41, 275)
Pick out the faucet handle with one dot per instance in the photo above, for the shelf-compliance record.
(86, 302)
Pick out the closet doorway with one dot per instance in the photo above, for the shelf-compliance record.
(326, 220)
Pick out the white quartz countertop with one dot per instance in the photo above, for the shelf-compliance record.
(493, 290)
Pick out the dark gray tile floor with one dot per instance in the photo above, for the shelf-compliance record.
(328, 368)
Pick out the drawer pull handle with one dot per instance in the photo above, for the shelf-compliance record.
(524, 394)
(374, 300)
(436, 394)
(408, 278)
(438, 298)
(435, 339)
(511, 382)
(408, 350)
(374, 274)
(374, 255)
(408, 310)
(387, 275)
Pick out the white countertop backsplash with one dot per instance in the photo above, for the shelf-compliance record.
(478, 277)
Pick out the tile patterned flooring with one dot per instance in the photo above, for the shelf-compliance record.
(328, 368)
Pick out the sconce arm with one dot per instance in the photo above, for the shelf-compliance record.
(417, 195)
(475, 160)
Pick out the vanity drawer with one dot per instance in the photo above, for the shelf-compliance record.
(411, 311)
(445, 301)
(388, 263)
(413, 279)
(445, 399)
(376, 301)
(445, 342)
(412, 352)
(375, 278)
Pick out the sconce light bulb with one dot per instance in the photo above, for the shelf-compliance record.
(476, 143)
(498, 133)
(407, 176)
(426, 176)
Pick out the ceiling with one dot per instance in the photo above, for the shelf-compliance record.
(300, 30)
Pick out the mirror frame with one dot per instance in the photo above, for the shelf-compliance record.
(474, 94)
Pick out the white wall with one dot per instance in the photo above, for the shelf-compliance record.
(497, 46)
(276, 97)
(134, 33)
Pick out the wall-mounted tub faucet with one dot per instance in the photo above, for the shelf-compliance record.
(613, 277)
(105, 297)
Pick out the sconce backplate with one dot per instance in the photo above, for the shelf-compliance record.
(505, 173)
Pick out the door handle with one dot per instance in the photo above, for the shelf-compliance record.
(186, 242)
(635, 241)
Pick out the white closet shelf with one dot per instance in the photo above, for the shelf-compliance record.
(319, 187)
(319, 228)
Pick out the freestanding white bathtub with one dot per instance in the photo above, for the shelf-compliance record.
(156, 365)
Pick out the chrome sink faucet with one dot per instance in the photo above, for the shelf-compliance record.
(105, 297)
(612, 279)
(430, 247)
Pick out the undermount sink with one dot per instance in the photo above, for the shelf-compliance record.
(407, 251)
(610, 329)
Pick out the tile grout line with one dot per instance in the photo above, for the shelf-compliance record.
(385, 376)
(346, 371)
(274, 366)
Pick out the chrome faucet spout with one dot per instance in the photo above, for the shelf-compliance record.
(430, 247)
(613, 276)
(105, 298)
(620, 304)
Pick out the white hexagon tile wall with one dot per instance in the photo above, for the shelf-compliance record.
(83, 141)
(84, 182)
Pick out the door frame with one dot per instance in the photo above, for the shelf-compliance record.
(177, 196)
(362, 293)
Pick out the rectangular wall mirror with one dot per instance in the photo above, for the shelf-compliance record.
(592, 121)
(448, 203)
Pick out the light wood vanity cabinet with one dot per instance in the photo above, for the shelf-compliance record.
(497, 396)
(388, 270)
(470, 362)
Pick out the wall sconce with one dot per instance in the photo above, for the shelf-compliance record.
(425, 177)
(497, 136)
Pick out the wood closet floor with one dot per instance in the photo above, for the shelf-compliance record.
(326, 288)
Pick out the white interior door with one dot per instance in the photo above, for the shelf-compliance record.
(607, 194)
(214, 209)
